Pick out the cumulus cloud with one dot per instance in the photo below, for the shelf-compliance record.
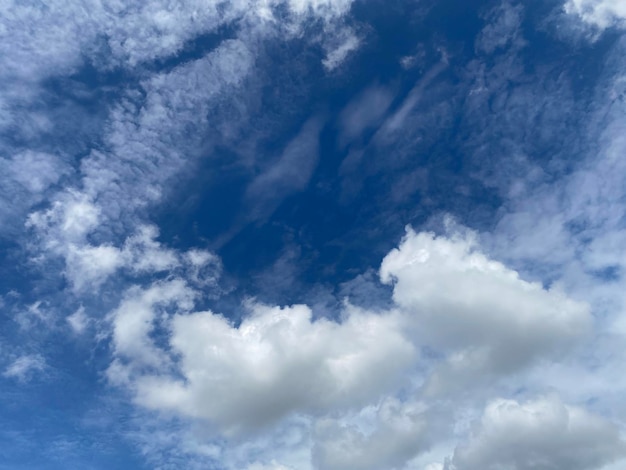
(475, 309)
(539, 434)
(352, 380)
(278, 361)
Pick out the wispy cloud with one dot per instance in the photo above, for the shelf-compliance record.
(600, 13)
(24, 367)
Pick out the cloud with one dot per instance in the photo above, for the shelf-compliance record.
(564, 228)
(289, 174)
(600, 13)
(539, 434)
(136, 318)
(155, 130)
(78, 321)
(26, 178)
(64, 228)
(306, 391)
(502, 28)
(35, 314)
(364, 112)
(477, 310)
(24, 367)
(351, 384)
(337, 55)
(277, 362)
(400, 431)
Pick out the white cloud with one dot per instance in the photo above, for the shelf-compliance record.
(476, 310)
(278, 361)
(64, 228)
(270, 466)
(351, 383)
(569, 230)
(337, 55)
(23, 367)
(481, 318)
(78, 321)
(143, 253)
(400, 431)
(67, 221)
(600, 13)
(137, 317)
(142, 146)
(53, 37)
(326, 9)
(539, 434)
(289, 174)
(90, 266)
(35, 171)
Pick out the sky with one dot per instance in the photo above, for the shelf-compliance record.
(313, 234)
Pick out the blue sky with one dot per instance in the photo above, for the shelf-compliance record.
(313, 234)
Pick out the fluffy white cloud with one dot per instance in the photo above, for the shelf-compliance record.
(64, 228)
(353, 381)
(537, 435)
(476, 310)
(278, 361)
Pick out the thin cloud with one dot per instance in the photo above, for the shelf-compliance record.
(24, 367)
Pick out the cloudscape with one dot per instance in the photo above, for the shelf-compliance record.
(313, 234)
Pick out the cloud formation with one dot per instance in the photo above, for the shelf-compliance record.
(24, 367)
(108, 112)
(600, 13)
(538, 434)
(477, 310)
(280, 363)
